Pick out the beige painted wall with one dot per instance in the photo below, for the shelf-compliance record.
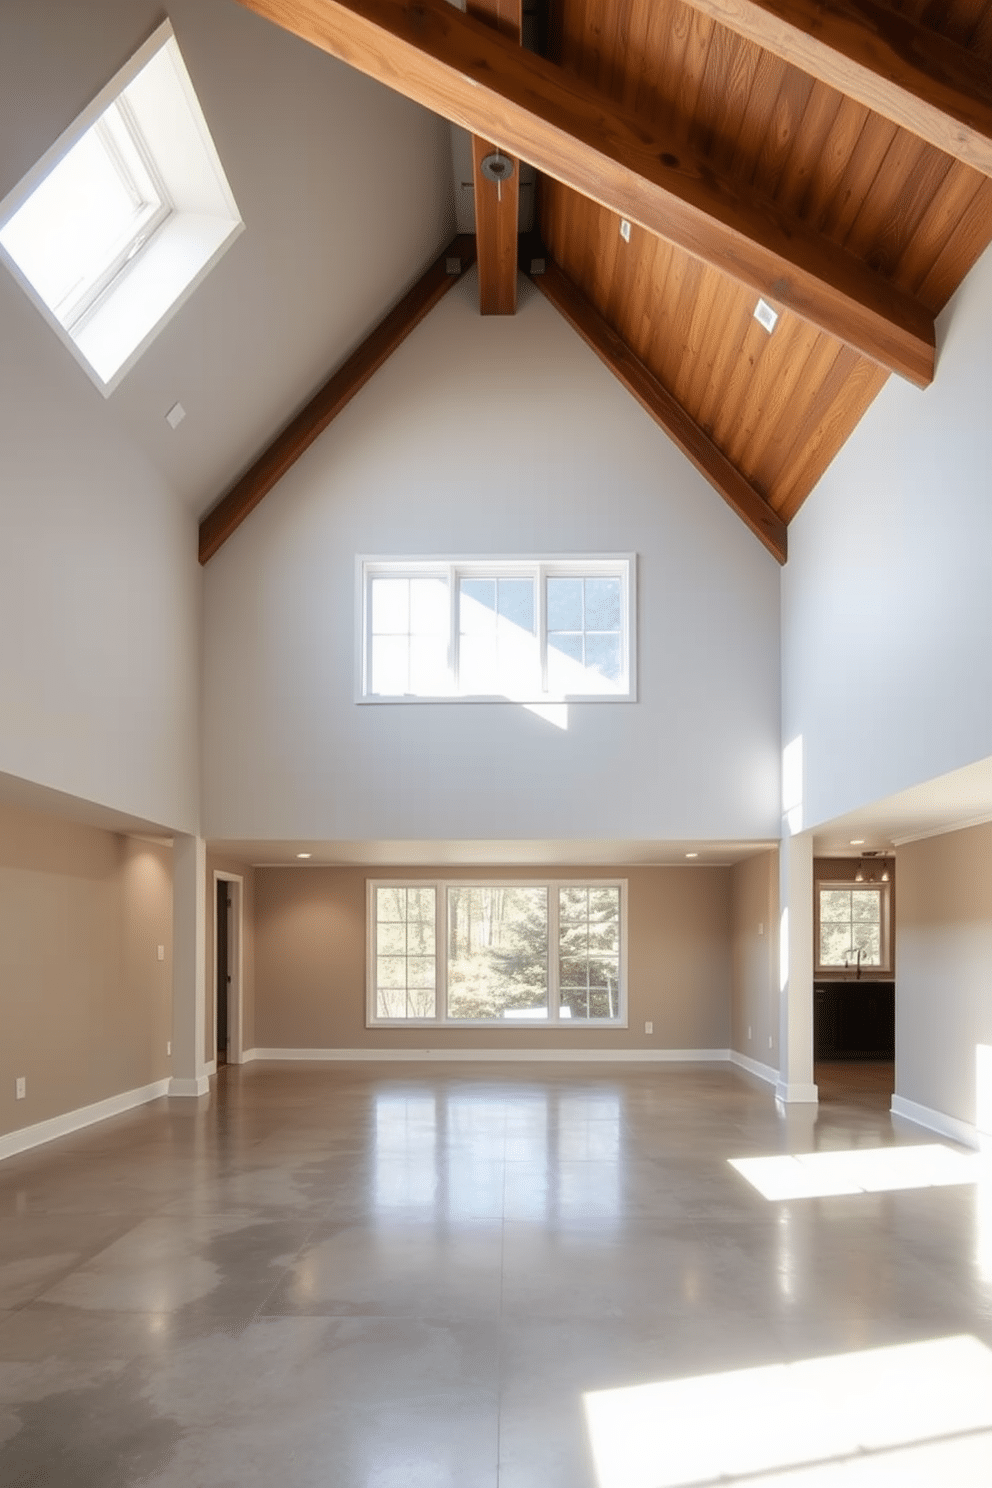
(944, 988)
(85, 1004)
(754, 958)
(310, 962)
(217, 864)
(842, 870)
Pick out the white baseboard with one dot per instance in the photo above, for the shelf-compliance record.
(198, 1086)
(498, 1056)
(754, 1067)
(210, 1068)
(796, 1094)
(936, 1121)
(61, 1126)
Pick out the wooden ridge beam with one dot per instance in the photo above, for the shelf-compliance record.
(667, 412)
(906, 72)
(478, 78)
(297, 437)
(497, 205)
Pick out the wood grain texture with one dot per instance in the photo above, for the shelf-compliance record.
(924, 82)
(497, 206)
(550, 117)
(284, 451)
(711, 463)
(779, 407)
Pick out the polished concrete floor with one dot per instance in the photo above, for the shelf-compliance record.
(414, 1276)
(857, 1082)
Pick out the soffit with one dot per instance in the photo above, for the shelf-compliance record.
(778, 406)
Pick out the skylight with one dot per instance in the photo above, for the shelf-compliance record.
(125, 214)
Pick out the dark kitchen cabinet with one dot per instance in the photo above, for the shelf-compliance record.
(854, 1020)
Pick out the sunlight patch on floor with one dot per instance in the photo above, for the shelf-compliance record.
(918, 1413)
(815, 1175)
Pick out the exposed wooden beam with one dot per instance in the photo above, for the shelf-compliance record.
(918, 79)
(474, 76)
(497, 204)
(655, 399)
(284, 451)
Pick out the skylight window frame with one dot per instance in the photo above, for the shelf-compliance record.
(540, 568)
(146, 229)
(135, 299)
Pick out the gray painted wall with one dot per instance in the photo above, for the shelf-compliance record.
(491, 436)
(944, 985)
(754, 1012)
(887, 595)
(310, 955)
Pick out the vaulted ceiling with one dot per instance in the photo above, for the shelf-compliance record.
(832, 158)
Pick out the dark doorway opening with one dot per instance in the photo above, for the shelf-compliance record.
(223, 966)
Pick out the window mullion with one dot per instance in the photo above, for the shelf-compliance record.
(554, 990)
(541, 583)
(441, 949)
(454, 640)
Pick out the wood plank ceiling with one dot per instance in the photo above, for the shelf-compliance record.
(740, 174)
(778, 406)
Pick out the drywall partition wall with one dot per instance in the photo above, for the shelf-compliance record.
(99, 582)
(310, 941)
(85, 1003)
(754, 949)
(944, 986)
(887, 595)
(491, 436)
(99, 593)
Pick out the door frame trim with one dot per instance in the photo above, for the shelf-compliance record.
(235, 953)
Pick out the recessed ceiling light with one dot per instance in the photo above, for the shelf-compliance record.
(304, 855)
(692, 855)
(857, 842)
(766, 316)
(175, 415)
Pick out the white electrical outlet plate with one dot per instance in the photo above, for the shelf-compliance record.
(649, 1028)
(161, 953)
(625, 229)
(766, 316)
(749, 1032)
(168, 1047)
(761, 927)
(21, 1087)
(769, 1041)
(175, 415)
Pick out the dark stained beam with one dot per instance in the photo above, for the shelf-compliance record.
(474, 76)
(695, 444)
(284, 451)
(918, 79)
(497, 204)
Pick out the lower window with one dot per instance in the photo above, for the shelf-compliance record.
(496, 953)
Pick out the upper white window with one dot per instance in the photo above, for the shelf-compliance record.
(528, 630)
(124, 215)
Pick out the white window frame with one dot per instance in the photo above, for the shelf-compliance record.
(441, 887)
(868, 971)
(540, 568)
(137, 295)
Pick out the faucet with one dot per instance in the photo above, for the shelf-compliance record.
(858, 952)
